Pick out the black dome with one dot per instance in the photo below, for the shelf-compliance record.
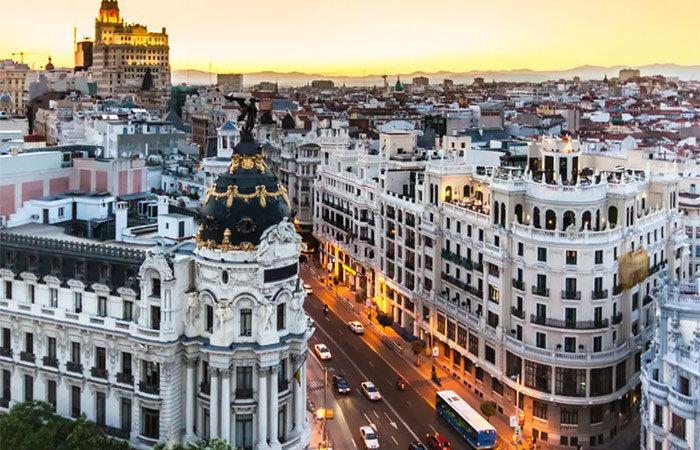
(243, 202)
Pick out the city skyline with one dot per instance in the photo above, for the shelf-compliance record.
(490, 38)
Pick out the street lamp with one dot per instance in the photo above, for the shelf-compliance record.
(325, 408)
(516, 422)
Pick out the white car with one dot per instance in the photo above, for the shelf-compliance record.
(371, 391)
(308, 289)
(322, 352)
(356, 327)
(369, 438)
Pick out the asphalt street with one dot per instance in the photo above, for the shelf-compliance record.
(401, 416)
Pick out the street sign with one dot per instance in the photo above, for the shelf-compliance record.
(330, 266)
(513, 421)
(436, 352)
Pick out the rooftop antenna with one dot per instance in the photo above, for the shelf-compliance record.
(209, 73)
(75, 38)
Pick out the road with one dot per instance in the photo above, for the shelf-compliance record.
(401, 416)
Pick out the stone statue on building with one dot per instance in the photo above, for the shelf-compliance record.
(249, 112)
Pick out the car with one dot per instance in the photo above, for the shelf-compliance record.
(437, 442)
(369, 437)
(341, 384)
(370, 391)
(356, 327)
(308, 289)
(322, 352)
(415, 445)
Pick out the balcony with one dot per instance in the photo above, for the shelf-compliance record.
(149, 388)
(540, 290)
(115, 432)
(519, 313)
(205, 388)
(616, 319)
(125, 378)
(27, 357)
(99, 373)
(50, 361)
(456, 282)
(6, 352)
(74, 367)
(519, 284)
(569, 324)
(598, 295)
(244, 393)
(571, 295)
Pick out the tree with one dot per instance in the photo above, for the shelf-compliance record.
(489, 409)
(385, 320)
(417, 347)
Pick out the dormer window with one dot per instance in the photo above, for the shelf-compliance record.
(79, 269)
(105, 272)
(55, 266)
(155, 287)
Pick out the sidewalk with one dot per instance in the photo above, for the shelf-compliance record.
(626, 439)
(337, 430)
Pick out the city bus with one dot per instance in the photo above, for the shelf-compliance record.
(469, 424)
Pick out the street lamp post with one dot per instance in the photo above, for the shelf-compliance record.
(518, 431)
(325, 406)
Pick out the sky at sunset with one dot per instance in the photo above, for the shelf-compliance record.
(337, 37)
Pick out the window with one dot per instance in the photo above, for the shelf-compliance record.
(102, 306)
(658, 415)
(150, 427)
(244, 382)
(125, 414)
(128, 310)
(596, 414)
(29, 342)
(28, 388)
(541, 254)
(571, 257)
(678, 426)
(51, 393)
(155, 287)
(151, 374)
(31, 290)
(244, 431)
(473, 345)
(155, 317)
(281, 309)
(496, 386)
(53, 297)
(683, 385)
(570, 344)
(492, 320)
(75, 402)
(78, 302)
(541, 340)
(75, 352)
(570, 382)
(597, 343)
(462, 337)
(100, 358)
(521, 249)
(539, 410)
(480, 374)
(8, 290)
(246, 322)
(538, 376)
(126, 363)
(601, 381)
(599, 256)
(209, 318)
(441, 324)
(100, 408)
(490, 354)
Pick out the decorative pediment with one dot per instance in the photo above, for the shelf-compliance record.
(159, 263)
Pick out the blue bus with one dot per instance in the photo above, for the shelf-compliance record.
(469, 424)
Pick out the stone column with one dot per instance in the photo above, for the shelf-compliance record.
(274, 407)
(214, 404)
(189, 397)
(226, 404)
(298, 396)
(262, 408)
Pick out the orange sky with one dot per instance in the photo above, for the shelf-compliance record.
(376, 36)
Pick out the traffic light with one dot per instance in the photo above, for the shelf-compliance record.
(521, 419)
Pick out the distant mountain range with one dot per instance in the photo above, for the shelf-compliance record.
(286, 79)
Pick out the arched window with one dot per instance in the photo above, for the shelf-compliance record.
(536, 218)
(519, 213)
(503, 214)
(597, 220)
(550, 220)
(586, 221)
(431, 193)
(448, 194)
(569, 219)
(612, 215)
(495, 212)
(465, 191)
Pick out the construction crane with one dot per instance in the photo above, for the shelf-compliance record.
(21, 55)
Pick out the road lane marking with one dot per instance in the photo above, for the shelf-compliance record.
(371, 424)
(432, 428)
(361, 372)
(409, 403)
(370, 363)
(395, 441)
(392, 423)
(375, 414)
(353, 442)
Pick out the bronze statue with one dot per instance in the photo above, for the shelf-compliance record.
(249, 112)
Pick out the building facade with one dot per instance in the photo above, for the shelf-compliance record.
(13, 78)
(186, 341)
(670, 376)
(124, 54)
(512, 274)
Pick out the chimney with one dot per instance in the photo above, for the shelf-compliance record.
(121, 220)
(163, 205)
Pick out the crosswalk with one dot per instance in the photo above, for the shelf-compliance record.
(314, 384)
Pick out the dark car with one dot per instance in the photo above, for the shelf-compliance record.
(437, 442)
(415, 445)
(341, 384)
